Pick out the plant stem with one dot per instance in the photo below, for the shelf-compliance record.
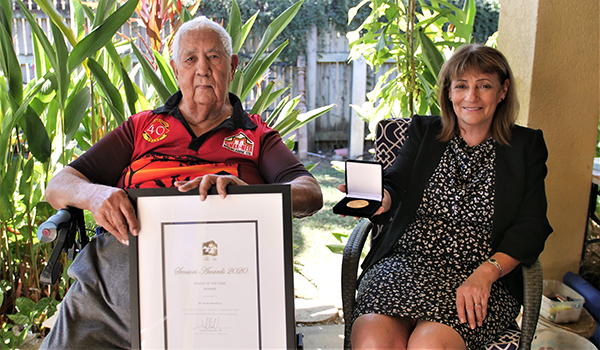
(410, 23)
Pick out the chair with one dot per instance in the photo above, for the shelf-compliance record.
(390, 136)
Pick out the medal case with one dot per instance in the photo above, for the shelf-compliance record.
(364, 182)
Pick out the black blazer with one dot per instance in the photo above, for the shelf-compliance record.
(520, 226)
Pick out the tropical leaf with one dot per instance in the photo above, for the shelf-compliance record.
(166, 72)
(252, 75)
(103, 9)
(6, 15)
(37, 136)
(39, 34)
(150, 74)
(260, 104)
(75, 111)
(130, 94)
(10, 66)
(63, 74)
(78, 17)
(100, 35)
(431, 55)
(273, 30)
(305, 118)
(234, 27)
(110, 91)
(246, 30)
(57, 18)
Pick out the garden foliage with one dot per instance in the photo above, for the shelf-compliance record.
(415, 37)
(83, 88)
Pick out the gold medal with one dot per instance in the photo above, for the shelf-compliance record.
(357, 204)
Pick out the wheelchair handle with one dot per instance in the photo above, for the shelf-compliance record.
(48, 231)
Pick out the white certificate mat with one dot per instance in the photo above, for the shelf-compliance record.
(215, 274)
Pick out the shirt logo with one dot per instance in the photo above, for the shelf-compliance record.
(156, 131)
(239, 143)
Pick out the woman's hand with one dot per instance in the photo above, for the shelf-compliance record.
(203, 183)
(472, 298)
(386, 202)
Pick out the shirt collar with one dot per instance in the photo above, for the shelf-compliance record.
(239, 118)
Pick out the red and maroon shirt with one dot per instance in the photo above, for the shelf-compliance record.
(156, 148)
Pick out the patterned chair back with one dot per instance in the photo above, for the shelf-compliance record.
(389, 138)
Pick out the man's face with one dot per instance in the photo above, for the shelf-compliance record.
(204, 71)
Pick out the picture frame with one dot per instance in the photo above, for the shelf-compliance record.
(212, 274)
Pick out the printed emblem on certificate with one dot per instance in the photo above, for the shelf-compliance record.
(216, 274)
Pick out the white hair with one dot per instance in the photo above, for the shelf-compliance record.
(201, 23)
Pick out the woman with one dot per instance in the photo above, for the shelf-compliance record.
(469, 206)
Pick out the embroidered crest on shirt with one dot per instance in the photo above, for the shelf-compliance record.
(239, 143)
(156, 131)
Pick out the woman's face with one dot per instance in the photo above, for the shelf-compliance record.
(474, 97)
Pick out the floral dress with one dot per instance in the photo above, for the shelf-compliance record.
(448, 239)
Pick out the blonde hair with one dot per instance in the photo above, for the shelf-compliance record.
(484, 59)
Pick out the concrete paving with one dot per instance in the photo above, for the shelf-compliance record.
(319, 337)
(317, 318)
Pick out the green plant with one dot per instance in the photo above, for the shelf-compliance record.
(416, 36)
(75, 98)
(285, 117)
(321, 13)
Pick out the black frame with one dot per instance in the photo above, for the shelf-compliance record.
(284, 190)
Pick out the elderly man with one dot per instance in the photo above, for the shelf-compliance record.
(190, 142)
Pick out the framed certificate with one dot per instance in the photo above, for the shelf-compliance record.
(216, 274)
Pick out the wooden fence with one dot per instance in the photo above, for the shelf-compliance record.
(334, 78)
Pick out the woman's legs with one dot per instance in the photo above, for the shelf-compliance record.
(433, 335)
(374, 331)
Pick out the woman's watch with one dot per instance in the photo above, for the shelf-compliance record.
(495, 263)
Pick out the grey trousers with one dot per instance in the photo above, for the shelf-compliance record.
(95, 312)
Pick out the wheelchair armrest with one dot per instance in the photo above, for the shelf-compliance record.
(533, 283)
(350, 261)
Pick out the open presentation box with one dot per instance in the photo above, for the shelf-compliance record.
(364, 189)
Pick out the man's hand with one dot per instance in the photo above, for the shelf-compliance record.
(110, 206)
(203, 183)
(113, 210)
